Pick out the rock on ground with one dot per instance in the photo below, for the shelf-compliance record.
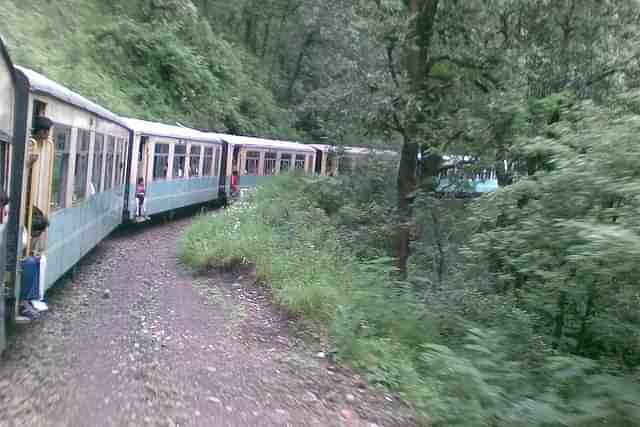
(136, 340)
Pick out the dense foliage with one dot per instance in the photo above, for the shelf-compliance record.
(461, 352)
(518, 308)
(146, 60)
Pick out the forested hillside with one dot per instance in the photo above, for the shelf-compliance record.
(154, 60)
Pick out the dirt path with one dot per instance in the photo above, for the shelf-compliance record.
(137, 340)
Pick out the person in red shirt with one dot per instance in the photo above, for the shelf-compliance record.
(234, 183)
(140, 194)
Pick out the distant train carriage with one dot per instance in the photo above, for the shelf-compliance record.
(78, 181)
(179, 166)
(257, 159)
(334, 160)
(7, 115)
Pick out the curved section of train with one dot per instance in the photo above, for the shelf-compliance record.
(85, 176)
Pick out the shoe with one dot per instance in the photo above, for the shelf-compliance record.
(26, 310)
(39, 305)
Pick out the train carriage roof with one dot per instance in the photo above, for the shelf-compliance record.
(42, 85)
(356, 151)
(253, 142)
(169, 131)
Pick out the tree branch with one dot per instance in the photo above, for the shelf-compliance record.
(398, 124)
(392, 68)
(611, 71)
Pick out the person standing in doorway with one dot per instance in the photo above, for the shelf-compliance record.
(39, 144)
(39, 151)
(234, 183)
(140, 195)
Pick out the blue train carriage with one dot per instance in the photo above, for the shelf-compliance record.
(179, 167)
(257, 160)
(457, 177)
(7, 115)
(78, 181)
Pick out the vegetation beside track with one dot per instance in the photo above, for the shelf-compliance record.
(460, 355)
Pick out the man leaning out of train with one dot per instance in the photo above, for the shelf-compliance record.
(30, 304)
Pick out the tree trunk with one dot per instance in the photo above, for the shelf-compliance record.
(250, 30)
(558, 331)
(417, 51)
(288, 10)
(406, 186)
(584, 336)
(308, 41)
(430, 169)
(265, 40)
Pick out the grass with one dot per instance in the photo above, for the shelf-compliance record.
(372, 321)
(421, 346)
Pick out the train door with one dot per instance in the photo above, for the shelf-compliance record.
(7, 88)
(222, 178)
(236, 159)
(39, 184)
(143, 158)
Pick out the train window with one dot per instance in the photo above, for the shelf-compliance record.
(179, 161)
(108, 171)
(253, 162)
(194, 160)
(160, 161)
(98, 157)
(300, 161)
(207, 163)
(216, 161)
(270, 160)
(285, 162)
(119, 164)
(143, 144)
(82, 165)
(62, 142)
(123, 163)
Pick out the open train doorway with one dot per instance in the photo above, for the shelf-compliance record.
(39, 173)
(143, 158)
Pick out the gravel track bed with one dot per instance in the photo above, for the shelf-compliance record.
(134, 339)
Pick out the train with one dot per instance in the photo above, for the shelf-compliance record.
(82, 177)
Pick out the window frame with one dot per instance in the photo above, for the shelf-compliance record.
(269, 157)
(207, 163)
(285, 161)
(252, 158)
(299, 162)
(110, 155)
(83, 148)
(217, 159)
(193, 156)
(64, 175)
(119, 163)
(161, 155)
(98, 160)
(176, 163)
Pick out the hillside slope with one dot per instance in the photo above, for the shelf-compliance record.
(124, 55)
